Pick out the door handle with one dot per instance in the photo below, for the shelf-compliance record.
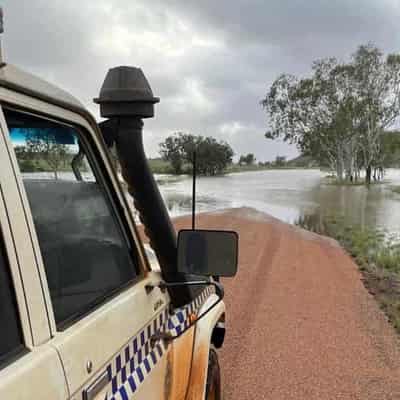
(96, 387)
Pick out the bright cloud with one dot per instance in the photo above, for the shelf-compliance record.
(210, 61)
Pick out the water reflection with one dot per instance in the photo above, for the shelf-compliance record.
(288, 195)
(180, 204)
(375, 206)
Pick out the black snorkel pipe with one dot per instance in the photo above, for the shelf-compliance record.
(125, 99)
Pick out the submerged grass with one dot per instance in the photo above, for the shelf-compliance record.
(332, 180)
(376, 253)
(159, 166)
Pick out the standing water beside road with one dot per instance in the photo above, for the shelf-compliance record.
(364, 220)
(289, 195)
(285, 194)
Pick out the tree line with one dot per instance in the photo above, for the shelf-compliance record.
(41, 150)
(340, 114)
(42, 153)
(212, 156)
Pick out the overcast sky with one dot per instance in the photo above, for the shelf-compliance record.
(210, 61)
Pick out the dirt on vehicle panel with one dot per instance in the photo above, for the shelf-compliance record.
(179, 368)
(198, 374)
(301, 323)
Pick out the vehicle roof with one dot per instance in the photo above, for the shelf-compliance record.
(18, 80)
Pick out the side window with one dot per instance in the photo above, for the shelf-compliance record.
(11, 342)
(84, 249)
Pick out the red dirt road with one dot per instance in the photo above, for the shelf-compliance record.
(300, 323)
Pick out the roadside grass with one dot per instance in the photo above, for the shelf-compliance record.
(235, 168)
(395, 189)
(376, 254)
(159, 166)
(168, 179)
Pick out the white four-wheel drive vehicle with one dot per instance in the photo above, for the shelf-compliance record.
(83, 314)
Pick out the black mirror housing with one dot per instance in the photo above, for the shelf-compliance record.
(208, 252)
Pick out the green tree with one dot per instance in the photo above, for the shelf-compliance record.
(377, 80)
(247, 159)
(42, 144)
(173, 151)
(390, 149)
(280, 161)
(313, 113)
(338, 114)
(212, 156)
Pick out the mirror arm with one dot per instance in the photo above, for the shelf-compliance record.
(219, 291)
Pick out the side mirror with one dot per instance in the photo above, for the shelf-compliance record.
(208, 253)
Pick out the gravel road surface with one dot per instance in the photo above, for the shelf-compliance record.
(300, 324)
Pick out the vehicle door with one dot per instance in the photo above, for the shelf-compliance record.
(101, 315)
(26, 358)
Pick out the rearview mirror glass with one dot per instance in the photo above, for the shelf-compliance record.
(205, 252)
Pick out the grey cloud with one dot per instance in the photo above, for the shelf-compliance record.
(288, 21)
(210, 61)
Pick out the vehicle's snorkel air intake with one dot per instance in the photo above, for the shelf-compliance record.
(125, 99)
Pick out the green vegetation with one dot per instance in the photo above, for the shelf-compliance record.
(377, 255)
(334, 181)
(47, 149)
(390, 146)
(339, 114)
(232, 168)
(395, 189)
(212, 156)
(303, 161)
(247, 159)
(43, 158)
(159, 166)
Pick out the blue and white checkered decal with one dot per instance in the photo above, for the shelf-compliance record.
(134, 363)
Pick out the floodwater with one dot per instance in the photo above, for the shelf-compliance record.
(284, 194)
(288, 195)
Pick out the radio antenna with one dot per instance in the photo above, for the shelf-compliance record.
(194, 172)
(1, 31)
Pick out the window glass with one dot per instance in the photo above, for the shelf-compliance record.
(11, 335)
(84, 251)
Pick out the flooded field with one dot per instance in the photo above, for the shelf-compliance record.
(285, 194)
(288, 195)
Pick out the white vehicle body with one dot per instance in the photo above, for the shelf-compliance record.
(104, 353)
